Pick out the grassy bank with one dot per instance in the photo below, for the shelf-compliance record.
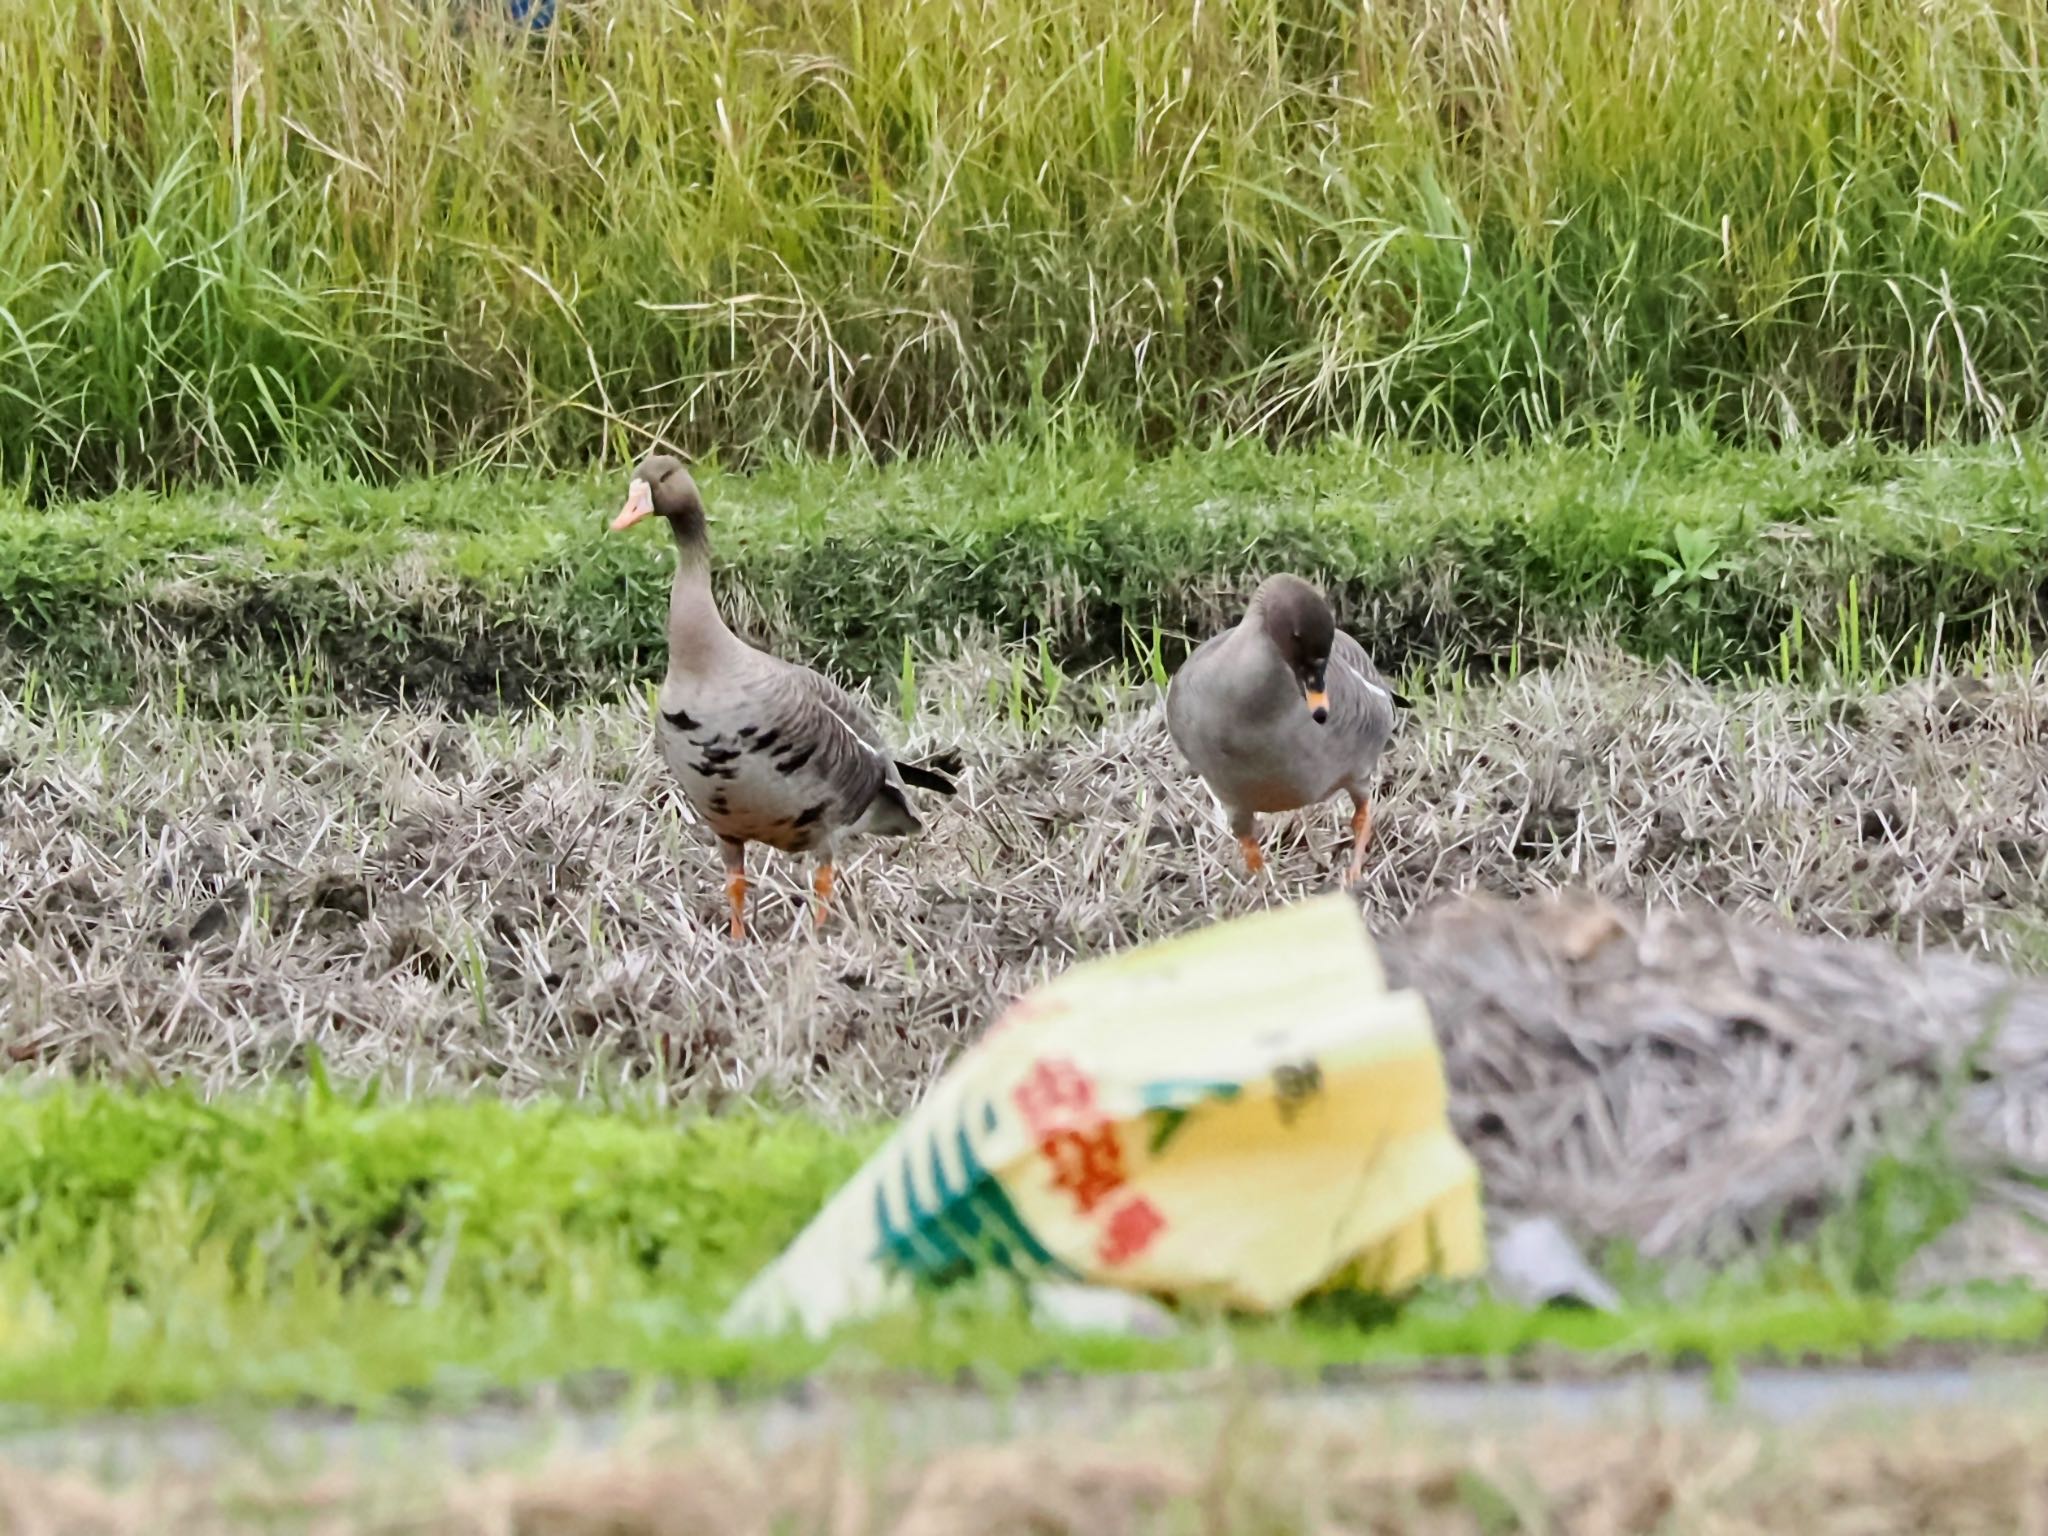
(393, 236)
(472, 590)
(158, 1249)
(155, 1249)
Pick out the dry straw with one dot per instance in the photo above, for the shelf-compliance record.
(519, 902)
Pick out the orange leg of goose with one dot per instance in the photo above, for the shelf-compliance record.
(1254, 861)
(735, 855)
(821, 882)
(1361, 838)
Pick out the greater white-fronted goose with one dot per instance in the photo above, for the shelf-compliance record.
(765, 751)
(1280, 711)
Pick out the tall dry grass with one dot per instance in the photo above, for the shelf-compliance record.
(396, 233)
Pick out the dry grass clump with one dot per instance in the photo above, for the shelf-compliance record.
(518, 900)
(1970, 1472)
(1699, 1084)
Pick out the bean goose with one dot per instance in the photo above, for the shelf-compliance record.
(765, 751)
(1279, 712)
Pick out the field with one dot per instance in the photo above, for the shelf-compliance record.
(1656, 388)
(238, 891)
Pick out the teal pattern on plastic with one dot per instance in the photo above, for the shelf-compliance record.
(967, 1224)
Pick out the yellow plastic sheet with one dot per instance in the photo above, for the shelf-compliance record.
(1243, 1114)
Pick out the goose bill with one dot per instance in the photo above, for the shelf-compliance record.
(639, 503)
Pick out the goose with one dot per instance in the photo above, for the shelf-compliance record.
(765, 751)
(1279, 712)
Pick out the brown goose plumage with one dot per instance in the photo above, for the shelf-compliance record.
(765, 751)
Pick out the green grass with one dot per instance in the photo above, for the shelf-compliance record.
(393, 237)
(1851, 561)
(157, 1250)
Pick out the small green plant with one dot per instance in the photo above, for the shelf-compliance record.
(1019, 703)
(1792, 649)
(1696, 563)
(1051, 680)
(1904, 1204)
(1150, 649)
(1852, 662)
(906, 686)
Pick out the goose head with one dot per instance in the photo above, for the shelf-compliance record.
(661, 487)
(1298, 624)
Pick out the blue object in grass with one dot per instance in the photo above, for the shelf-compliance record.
(537, 14)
